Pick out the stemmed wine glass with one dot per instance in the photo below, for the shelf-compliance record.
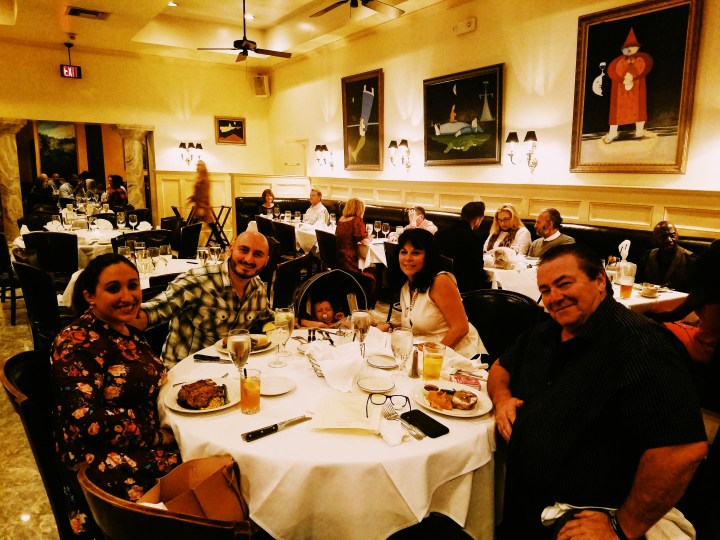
(402, 346)
(369, 229)
(68, 221)
(120, 216)
(239, 346)
(276, 211)
(361, 322)
(92, 223)
(386, 229)
(214, 254)
(285, 316)
(377, 226)
(133, 221)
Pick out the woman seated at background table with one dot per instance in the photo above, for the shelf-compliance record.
(416, 218)
(704, 300)
(116, 194)
(106, 381)
(430, 300)
(508, 231)
(350, 232)
(268, 197)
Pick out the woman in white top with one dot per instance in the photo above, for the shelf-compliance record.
(508, 231)
(430, 300)
(416, 218)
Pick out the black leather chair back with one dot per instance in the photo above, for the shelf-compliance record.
(152, 238)
(327, 248)
(112, 218)
(8, 280)
(500, 317)
(287, 281)
(189, 240)
(285, 234)
(26, 378)
(57, 252)
(264, 226)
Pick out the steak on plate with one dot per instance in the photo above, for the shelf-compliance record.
(202, 394)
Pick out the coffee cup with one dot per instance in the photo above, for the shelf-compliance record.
(649, 290)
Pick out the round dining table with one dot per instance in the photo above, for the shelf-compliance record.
(304, 482)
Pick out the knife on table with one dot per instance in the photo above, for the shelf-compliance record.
(262, 432)
(210, 358)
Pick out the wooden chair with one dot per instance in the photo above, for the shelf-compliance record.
(189, 240)
(122, 520)
(500, 317)
(45, 316)
(26, 378)
(8, 280)
(57, 253)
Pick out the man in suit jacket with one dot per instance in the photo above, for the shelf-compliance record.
(667, 264)
(547, 225)
(460, 243)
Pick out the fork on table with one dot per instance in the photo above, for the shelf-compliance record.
(389, 413)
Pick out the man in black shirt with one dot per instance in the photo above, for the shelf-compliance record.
(667, 263)
(597, 407)
(460, 243)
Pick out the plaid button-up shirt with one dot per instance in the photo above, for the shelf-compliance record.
(202, 307)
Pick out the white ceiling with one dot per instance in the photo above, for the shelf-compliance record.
(152, 27)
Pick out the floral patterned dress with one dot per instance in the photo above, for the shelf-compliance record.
(106, 387)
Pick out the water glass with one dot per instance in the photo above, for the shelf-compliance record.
(276, 211)
(125, 252)
(402, 347)
(56, 223)
(92, 223)
(202, 255)
(288, 216)
(215, 252)
(105, 208)
(284, 319)
(239, 346)
(165, 253)
(626, 278)
(361, 322)
(69, 220)
(120, 216)
(296, 217)
(133, 220)
(250, 391)
(385, 229)
(154, 254)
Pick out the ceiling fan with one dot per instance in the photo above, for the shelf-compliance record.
(377, 5)
(246, 46)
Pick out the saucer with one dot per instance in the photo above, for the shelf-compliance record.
(376, 385)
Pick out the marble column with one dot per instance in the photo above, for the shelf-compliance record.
(134, 138)
(10, 176)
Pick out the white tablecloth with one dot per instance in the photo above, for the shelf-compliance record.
(303, 483)
(372, 253)
(305, 236)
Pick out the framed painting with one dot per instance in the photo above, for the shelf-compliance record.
(634, 87)
(362, 105)
(463, 117)
(229, 130)
(57, 144)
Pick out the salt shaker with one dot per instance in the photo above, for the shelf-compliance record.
(414, 374)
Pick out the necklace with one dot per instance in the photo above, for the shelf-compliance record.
(413, 299)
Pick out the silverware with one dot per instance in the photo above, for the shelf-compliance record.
(188, 382)
(326, 335)
(389, 412)
(274, 428)
(300, 339)
(210, 358)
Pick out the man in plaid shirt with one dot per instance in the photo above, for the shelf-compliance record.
(203, 304)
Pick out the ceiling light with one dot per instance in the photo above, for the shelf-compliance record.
(249, 17)
(172, 4)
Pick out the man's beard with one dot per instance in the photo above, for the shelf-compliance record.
(241, 271)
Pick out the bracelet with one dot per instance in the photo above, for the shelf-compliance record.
(617, 529)
(161, 439)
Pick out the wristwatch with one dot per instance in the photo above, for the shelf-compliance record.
(615, 524)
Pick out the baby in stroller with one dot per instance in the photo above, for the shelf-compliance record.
(323, 315)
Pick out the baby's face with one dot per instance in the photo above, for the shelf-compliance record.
(323, 311)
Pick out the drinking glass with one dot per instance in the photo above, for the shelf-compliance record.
(69, 207)
(402, 347)
(280, 335)
(288, 216)
(250, 391)
(57, 224)
(239, 346)
(626, 278)
(202, 255)
(296, 217)
(133, 221)
(165, 253)
(286, 317)
(139, 245)
(125, 252)
(154, 255)
(386, 229)
(105, 208)
(377, 226)
(433, 356)
(131, 245)
(332, 220)
(361, 322)
(69, 220)
(92, 223)
(120, 220)
(214, 254)
(143, 263)
(276, 211)
(369, 229)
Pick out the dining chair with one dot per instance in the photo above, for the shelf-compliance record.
(172, 224)
(334, 285)
(287, 281)
(8, 280)
(57, 253)
(122, 520)
(152, 238)
(267, 273)
(111, 217)
(26, 378)
(264, 226)
(35, 221)
(40, 293)
(189, 240)
(500, 316)
(327, 248)
(284, 233)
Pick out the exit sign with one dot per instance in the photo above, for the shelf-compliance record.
(70, 72)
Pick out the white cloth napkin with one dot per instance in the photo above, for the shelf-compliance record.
(53, 226)
(624, 249)
(392, 432)
(338, 364)
(454, 362)
(144, 226)
(24, 229)
(103, 225)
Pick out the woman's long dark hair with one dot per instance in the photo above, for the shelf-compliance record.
(419, 239)
(88, 279)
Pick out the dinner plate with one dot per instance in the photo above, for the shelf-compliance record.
(275, 386)
(255, 350)
(233, 393)
(484, 405)
(381, 361)
(376, 385)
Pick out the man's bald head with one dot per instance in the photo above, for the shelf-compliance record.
(665, 236)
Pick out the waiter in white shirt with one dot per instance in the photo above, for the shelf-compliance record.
(317, 214)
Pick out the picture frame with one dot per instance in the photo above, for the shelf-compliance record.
(638, 121)
(363, 121)
(463, 117)
(230, 130)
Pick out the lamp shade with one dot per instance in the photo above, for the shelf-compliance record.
(393, 145)
(182, 146)
(198, 146)
(530, 137)
(403, 144)
(512, 137)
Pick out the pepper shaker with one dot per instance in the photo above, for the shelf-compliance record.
(414, 373)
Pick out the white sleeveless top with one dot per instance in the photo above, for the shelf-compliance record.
(429, 324)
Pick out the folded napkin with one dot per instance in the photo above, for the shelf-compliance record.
(24, 229)
(455, 362)
(624, 249)
(338, 364)
(392, 432)
(103, 225)
(53, 226)
(377, 342)
(144, 226)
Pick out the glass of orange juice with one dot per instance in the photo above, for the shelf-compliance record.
(250, 391)
(433, 356)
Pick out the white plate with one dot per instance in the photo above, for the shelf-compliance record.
(233, 393)
(381, 361)
(275, 386)
(376, 385)
(484, 405)
(223, 350)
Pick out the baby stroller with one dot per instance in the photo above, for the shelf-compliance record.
(332, 285)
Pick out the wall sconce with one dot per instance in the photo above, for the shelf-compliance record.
(400, 153)
(324, 156)
(530, 137)
(190, 152)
